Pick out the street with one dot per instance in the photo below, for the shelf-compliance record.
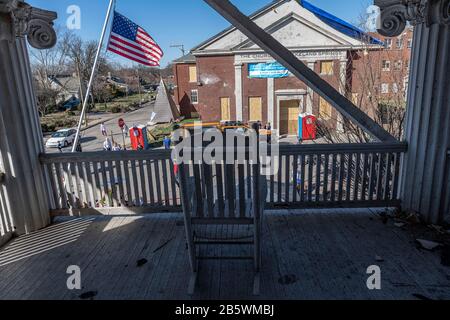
(92, 139)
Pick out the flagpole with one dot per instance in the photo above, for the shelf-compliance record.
(91, 80)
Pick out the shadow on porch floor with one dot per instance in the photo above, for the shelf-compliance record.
(306, 255)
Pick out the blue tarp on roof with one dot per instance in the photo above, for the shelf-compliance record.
(339, 24)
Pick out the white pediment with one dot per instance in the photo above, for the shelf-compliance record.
(289, 23)
(295, 32)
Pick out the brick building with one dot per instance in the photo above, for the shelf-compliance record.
(214, 82)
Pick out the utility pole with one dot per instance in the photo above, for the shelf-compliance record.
(139, 87)
(179, 46)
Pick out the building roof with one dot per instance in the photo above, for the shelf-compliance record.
(165, 108)
(338, 26)
(189, 58)
(68, 83)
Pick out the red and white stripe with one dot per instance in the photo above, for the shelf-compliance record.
(144, 50)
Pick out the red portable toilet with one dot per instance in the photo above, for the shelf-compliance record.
(138, 137)
(307, 127)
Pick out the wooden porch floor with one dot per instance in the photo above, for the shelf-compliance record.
(307, 255)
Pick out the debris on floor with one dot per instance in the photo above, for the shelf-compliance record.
(288, 279)
(445, 256)
(141, 262)
(428, 245)
(88, 295)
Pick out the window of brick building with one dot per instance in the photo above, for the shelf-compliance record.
(385, 88)
(325, 109)
(386, 65)
(194, 96)
(355, 98)
(193, 74)
(388, 43)
(400, 43)
(326, 67)
(395, 88)
(410, 43)
(398, 65)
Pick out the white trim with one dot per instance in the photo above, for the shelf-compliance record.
(286, 95)
(238, 91)
(271, 100)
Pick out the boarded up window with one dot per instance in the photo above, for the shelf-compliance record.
(326, 67)
(255, 109)
(325, 110)
(225, 108)
(193, 74)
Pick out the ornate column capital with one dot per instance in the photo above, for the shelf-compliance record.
(395, 14)
(19, 19)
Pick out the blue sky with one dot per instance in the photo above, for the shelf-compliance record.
(187, 22)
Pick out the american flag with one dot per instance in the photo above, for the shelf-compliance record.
(132, 42)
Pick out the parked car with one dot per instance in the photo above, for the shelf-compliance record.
(62, 138)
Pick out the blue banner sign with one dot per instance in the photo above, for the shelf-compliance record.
(267, 70)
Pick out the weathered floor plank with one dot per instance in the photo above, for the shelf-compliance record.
(306, 255)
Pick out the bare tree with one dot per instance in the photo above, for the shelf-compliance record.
(47, 64)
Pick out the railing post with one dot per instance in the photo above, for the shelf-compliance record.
(25, 189)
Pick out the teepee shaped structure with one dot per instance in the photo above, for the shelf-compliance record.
(166, 110)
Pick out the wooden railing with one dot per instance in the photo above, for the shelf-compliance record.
(337, 175)
(345, 175)
(90, 182)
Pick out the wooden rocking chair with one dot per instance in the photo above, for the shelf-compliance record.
(229, 197)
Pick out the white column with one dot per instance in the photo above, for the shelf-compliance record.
(271, 101)
(238, 91)
(310, 92)
(24, 191)
(425, 183)
(342, 90)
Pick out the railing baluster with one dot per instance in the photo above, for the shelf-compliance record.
(142, 182)
(113, 183)
(280, 180)
(396, 176)
(220, 188)
(357, 177)
(326, 177)
(106, 194)
(387, 178)
(333, 178)
(98, 186)
(88, 168)
(173, 184)
(303, 177)
(372, 176)
(318, 176)
(151, 185)
(74, 181)
(349, 177)
(56, 199)
(364, 194)
(137, 198)
(158, 180)
(287, 179)
(310, 176)
(272, 181)
(120, 182)
(295, 181)
(166, 182)
(380, 168)
(341, 176)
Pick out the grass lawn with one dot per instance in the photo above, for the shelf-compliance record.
(122, 104)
